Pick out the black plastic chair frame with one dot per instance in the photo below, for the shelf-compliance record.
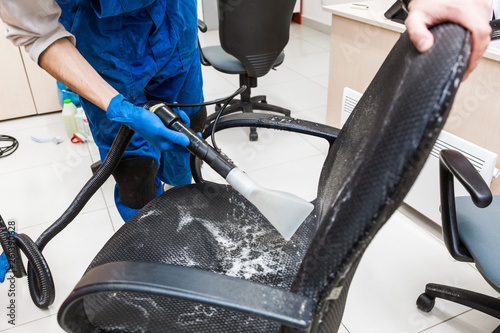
(334, 252)
(284, 307)
(452, 164)
(293, 311)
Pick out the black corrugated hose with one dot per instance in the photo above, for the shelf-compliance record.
(40, 280)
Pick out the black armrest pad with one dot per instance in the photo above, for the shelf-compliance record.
(191, 284)
(468, 176)
(275, 122)
(202, 26)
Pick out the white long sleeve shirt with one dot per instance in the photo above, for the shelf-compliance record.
(33, 24)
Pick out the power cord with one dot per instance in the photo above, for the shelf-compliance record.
(7, 149)
(226, 101)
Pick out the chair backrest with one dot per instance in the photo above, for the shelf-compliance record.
(255, 31)
(376, 158)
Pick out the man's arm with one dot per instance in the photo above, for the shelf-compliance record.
(35, 25)
(472, 14)
(64, 62)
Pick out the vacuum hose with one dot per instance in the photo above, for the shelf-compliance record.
(40, 281)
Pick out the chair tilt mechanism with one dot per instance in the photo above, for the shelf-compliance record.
(201, 258)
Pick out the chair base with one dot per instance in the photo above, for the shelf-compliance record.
(480, 302)
(247, 104)
(255, 103)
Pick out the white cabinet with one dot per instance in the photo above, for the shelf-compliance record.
(25, 88)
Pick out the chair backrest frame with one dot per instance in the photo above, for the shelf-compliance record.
(375, 160)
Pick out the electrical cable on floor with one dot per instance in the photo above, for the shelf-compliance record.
(7, 149)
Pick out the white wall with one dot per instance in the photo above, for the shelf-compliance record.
(313, 9)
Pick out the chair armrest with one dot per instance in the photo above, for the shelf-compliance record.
(191, 284)
(202, 26)
(263, 120)
(454, 164)
(461, 168)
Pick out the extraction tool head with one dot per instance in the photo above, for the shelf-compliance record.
(284, 211)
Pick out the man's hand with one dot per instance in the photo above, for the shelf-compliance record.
(471, 14)
(147, 124)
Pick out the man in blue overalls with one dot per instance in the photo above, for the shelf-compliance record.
(144, 50)
(148, 51)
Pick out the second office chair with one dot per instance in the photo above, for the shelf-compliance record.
(252, 36)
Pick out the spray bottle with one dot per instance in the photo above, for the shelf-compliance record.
(68, 112)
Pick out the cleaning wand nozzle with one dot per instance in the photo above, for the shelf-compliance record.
(285, 211)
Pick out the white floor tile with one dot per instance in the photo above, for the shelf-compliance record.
(41, 194)
(272, 148)
(470, 322)
(7, 126)
(321, 79)
(47, 324)
(31, 153)
(320, 39)
(301, 47)
(282, 74)
(311, 64)
(342, 329)
(68, 255)
(216, 83)
(116, 219)
(398, 264)
(295, 95)
(108, 191)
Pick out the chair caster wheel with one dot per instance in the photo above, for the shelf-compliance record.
(425, 303)
(253, 136)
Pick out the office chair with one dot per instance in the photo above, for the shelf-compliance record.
(253, 34)
(201, 258)
(471, 232)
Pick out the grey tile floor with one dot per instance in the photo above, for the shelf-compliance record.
(40, 180)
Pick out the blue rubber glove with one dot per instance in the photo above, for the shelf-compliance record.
(147, 124)
(4, 266)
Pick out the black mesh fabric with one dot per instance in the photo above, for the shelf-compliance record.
(366, 175)
(378, 155)
(207, 226)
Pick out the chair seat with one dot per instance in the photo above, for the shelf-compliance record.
(226, 63)
(231, 238)
(479, 230)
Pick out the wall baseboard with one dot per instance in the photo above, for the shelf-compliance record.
(316, 25)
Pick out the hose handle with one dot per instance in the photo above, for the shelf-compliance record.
(197, 146)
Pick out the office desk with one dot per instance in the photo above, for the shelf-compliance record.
(361, 40)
